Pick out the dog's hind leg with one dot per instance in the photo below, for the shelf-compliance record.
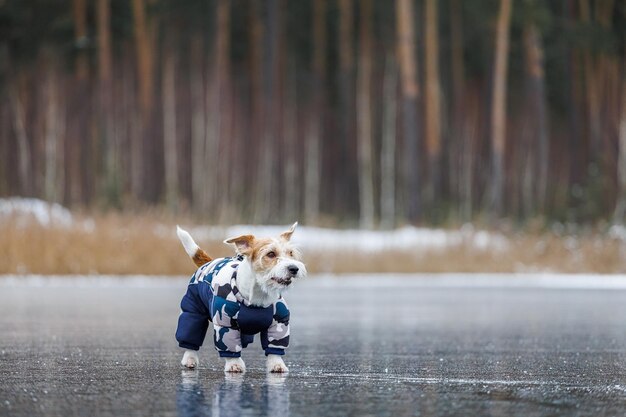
(190, 359)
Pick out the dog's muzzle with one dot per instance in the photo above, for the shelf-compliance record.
(282, 281)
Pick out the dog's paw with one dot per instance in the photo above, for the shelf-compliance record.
(190, 359)
(235, 365)
(275, 365)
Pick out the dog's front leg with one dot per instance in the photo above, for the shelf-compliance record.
(190, 359)
(235, 365)
(276, 365)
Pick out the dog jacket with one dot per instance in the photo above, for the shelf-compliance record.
(212, 295)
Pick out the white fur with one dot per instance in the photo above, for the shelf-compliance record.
(190, 359)
(275, 364)
(261, 289)
(188, 243)
(235, 365)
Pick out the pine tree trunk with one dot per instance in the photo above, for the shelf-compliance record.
(314, 139)
(433, 106)
(79, 161)
(79, 11)
(458, 135)
(364, 118)
(410, 116)
(265, 187)
(498, 111)
(223, 134)
(619, 215)
(291, 174)
(168, 92)
(21, 135)
(142, 152)
(537, 100)
(111, 178)
(198, 125)
(52, 134)
(591, 87)
(388, 151)
(347, 103)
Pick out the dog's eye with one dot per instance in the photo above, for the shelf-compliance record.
(271, 255)
(291, 253)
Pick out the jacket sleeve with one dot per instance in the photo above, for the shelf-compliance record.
(226, 334)
(278, 333)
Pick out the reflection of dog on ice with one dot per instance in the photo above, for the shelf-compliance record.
(242, 297)
(233, 396)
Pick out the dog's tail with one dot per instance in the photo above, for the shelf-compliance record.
(194, 251)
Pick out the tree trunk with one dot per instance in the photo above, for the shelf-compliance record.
(79, 166)
(53, 134)
(388, 151)
(23, 144)
(364, 118)
(619, 215)
(314, 139)
(458, 135)
(223, 111)
(591, 88)
(433, 106)
(346, 188)
(266, 187)
(110, 179)
(410, 96)
(537, 101)
(292, 185)
(140, 149)
(144, 55)
(257, 46)
(79, 10)
(498, 111)
(168, 92)
(199, 170)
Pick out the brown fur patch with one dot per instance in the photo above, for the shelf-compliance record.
(201, 257)
(261, 247)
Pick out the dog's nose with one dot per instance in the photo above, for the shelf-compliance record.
(293, 270)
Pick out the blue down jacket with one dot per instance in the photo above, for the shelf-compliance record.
(212, 295)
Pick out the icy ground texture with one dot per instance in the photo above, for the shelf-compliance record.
(316, 238)
(24, 210)
(366, 345)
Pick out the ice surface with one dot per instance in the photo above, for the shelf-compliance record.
(345, 281)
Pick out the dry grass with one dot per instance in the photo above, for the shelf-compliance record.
(143, 244)
(110, 244)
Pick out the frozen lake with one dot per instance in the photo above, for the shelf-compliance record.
(375, 345)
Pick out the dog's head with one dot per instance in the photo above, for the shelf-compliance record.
(276, 262)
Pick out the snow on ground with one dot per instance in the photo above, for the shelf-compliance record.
(618, 232)
(24, 210)
(315, 238)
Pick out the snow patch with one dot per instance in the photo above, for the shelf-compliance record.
(24, 210)
(618, 232)
(405, 238)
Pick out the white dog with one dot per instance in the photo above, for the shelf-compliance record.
(242, 296)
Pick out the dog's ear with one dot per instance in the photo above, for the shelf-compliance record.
(242, 243)
(287, 235)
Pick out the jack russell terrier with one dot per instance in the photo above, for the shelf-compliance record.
(242, 296)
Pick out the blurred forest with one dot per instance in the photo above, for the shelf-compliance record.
(375, 113)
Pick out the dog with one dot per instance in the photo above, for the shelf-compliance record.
(241, 296)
